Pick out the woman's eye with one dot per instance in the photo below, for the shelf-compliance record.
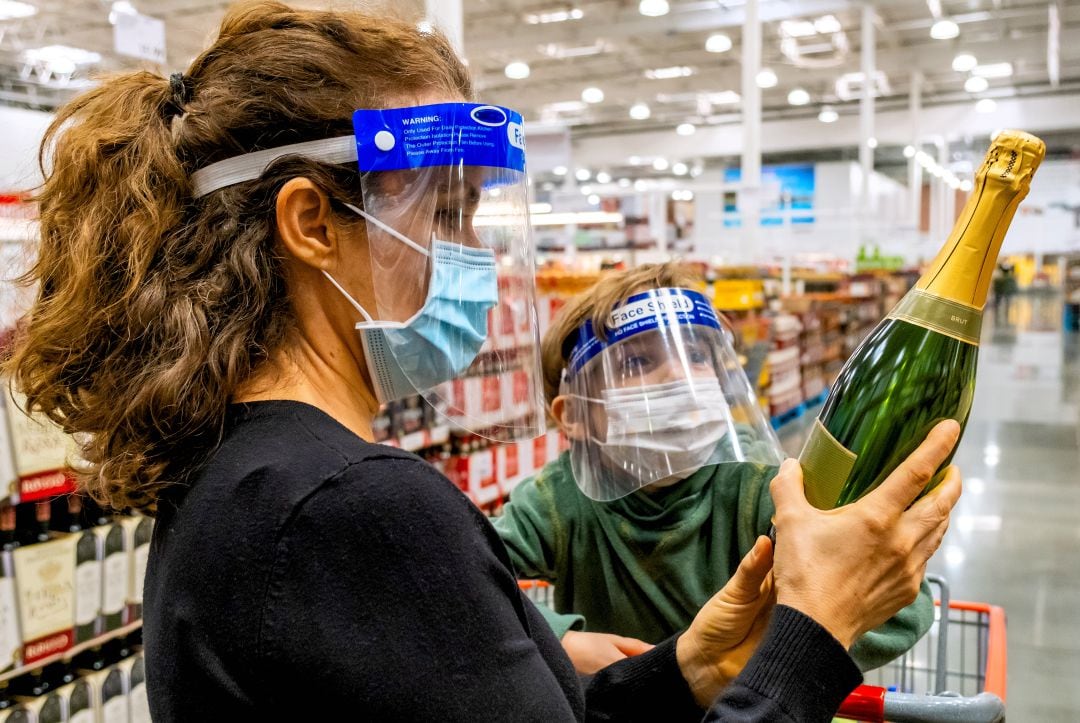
(635, 363)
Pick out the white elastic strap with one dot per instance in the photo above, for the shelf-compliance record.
(399, 236)
(250, 166)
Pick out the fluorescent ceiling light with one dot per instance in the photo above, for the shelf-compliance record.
(603, 177)
(724, 97)
(582, 174)
(798, 97)
(849, 85)
(562, 52)
(975, 84)
(123, 7)
(993, 70)
(640, 111)
(592, 95)
(798, 28)
(766, 78)
(61, 59)
(653, 8)
(554, 16)
(986, 105)
(674, 71)
(964, 62)
(680, 169)
(944, 29)
(718, 43)
(10, 9)
(827, 24)
(828, 115)
(517, 70)
(686, 129)
(660, 164)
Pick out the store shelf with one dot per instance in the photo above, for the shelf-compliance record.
(421, 439)
(493, 493)
(70, 653)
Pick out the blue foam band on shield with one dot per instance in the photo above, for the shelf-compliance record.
(443, 134)
(643, 312)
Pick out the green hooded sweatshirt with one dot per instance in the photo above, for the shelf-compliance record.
(643, 566)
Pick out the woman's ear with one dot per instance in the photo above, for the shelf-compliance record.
(569, 413)
(305, 223)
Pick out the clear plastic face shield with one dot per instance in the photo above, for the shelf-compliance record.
(657, 397)
(443, 280)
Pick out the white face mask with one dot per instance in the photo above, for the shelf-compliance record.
(664, 432)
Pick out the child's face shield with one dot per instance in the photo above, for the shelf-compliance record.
(658, 396)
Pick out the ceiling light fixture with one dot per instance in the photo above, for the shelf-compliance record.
(909, 151)
(517, 70)
(674, 71)
(766, 78)
(686, 129)
(798, 97)
(827, 25)
(603, 177)
(640, 111)
(680, 169)
(993, 70)
(624, 183)
(944, 29)
(653, 8)
(559, 170)
(986, 105)
(640, 184)
(593, 199)
(582, 174)
(718, 43)
(554, 16)
(964, 62)
(798, 28)
(975, 84)
(660, 164)
(9, 9)
(592, 95)
(828, 115)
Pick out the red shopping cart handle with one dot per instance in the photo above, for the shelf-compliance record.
(866, 703)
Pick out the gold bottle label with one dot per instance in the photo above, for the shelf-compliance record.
(826, 466)
(945, 316)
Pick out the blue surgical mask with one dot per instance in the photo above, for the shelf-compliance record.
(444, 337)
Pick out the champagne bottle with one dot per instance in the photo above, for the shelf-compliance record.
(115, 585)
(81, 703)
(917, 367)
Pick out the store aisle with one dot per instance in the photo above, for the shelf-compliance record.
(1015, 534)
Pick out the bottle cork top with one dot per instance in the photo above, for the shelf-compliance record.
(1012, 159)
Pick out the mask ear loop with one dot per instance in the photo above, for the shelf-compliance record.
(369, 321)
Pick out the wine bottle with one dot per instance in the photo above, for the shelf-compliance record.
(917, 367)
(10, 637)
(89, 573)
(81, 703)
(52, 710)
(140, 706)
(115, 585)
(114, 700)
(143, 534)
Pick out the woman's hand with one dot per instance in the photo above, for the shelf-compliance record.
(590, 652)
(726, 631)
(853, 568)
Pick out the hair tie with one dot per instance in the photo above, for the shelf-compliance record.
(180, 90)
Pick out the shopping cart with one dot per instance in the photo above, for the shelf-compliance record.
(955, 674)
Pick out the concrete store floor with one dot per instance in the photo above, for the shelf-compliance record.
(1014, 540)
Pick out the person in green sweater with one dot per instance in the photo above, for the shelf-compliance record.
(665, 487)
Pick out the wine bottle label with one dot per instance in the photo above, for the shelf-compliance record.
(945, 316)
(116, 583)
(45, 580)
(10, 642)
(140, 705)
(826, 466)
(142, 555)
(87, 591)
(115, 710)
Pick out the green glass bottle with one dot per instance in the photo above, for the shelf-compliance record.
(917, 367)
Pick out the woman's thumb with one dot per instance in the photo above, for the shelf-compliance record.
(745, 585)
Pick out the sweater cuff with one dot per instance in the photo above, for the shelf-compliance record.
(649, 686)
(799, 663)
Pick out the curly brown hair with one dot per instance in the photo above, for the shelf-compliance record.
(153, 308)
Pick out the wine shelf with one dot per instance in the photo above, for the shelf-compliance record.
(70, 653)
